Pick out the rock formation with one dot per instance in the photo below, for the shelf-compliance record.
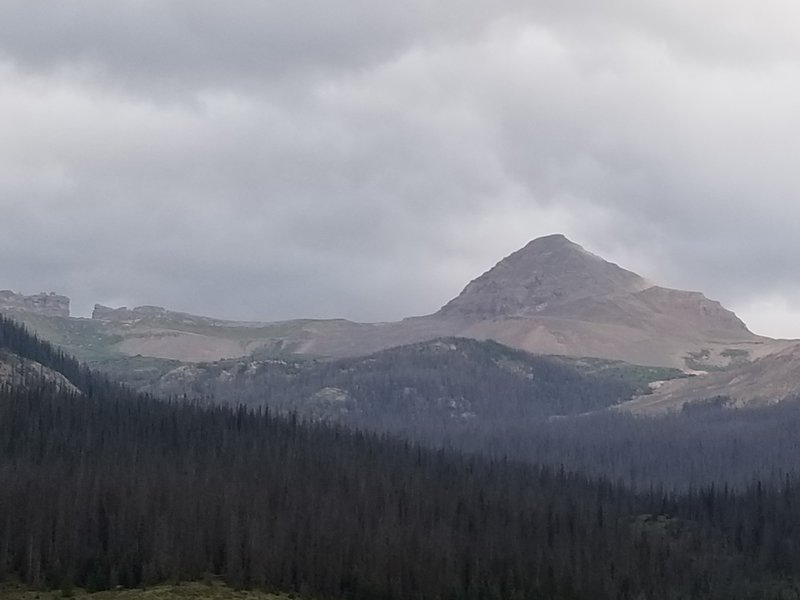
(49, 305)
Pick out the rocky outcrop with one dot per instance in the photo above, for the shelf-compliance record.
(694, 309)
(49, 305)
(153, 314)
(125, 314)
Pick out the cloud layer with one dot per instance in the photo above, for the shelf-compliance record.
(270, 160)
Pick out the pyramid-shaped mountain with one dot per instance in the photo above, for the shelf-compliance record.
(546, 274)
(554, 297)
(554, 277)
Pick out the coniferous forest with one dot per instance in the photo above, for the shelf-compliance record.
(485, 398)
(103, 487)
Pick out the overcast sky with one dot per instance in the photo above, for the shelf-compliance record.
(270, 159)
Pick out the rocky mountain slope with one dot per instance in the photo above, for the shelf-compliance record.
(554, 297)
(550, 297)
(541, 278)
(766, 381)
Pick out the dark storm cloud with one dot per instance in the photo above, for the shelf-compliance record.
(202, 43)
(280, 159)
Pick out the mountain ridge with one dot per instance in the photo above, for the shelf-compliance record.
(550, 297)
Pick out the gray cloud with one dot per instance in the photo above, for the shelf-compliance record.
(288, 159)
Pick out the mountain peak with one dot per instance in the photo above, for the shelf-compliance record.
(549, 271)
(554, 239)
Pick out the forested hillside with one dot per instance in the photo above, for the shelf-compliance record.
(16, 340)
(716, 446)
(486, 398)
(452, 379)
(106, 488)
(98, 491)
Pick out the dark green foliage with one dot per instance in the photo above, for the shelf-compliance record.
(107, 488)
(637, 376)
(15, 338)
(696, 448)
(98, 492)
(486, 398)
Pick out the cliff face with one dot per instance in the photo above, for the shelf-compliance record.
(48, 305)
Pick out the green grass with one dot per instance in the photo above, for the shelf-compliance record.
(94, 341)
(637, 376)
(85, 339)
(182, 591)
